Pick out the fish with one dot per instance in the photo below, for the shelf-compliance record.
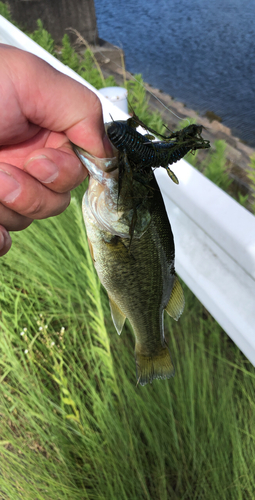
(136, 267)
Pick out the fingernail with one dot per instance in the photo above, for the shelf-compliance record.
(42, 169)
(9, 187)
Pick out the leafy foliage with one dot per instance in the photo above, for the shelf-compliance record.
(90, 72)
(68, 55)
(138, 103)
(242, 199)
(251, 176)
(86, 66)
(5, 11)
(43, 38)
(214, 167)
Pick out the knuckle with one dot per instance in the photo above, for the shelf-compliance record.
(5, 249)
(63, 201)
(13, 221)
(36, 209)
(23, 223)
(95, 103)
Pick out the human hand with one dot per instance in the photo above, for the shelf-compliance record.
(40, 111)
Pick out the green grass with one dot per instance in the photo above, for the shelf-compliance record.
(74, 425)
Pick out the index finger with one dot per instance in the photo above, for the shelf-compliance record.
(56, 102)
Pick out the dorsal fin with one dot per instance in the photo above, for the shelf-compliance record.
(176, 302)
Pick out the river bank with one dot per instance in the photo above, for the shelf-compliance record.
(237, 152)
(201, 53)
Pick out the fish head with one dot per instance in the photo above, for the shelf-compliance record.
(102, 203)
(101, 169)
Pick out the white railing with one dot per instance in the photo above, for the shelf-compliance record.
(214, 235)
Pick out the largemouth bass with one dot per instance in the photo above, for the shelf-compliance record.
(135, 267)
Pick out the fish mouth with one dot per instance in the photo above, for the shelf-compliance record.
(105, 164)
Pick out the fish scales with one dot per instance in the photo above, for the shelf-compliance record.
(139, 278)
(140, 281)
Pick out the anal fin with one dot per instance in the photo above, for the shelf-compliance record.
(118, 317)
(176, 302)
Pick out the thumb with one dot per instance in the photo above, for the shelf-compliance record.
(60, 169)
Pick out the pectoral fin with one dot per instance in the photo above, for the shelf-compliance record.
(91, 249)
(118, 317)
(176, 302)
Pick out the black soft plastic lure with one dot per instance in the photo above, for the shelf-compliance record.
(140, 154)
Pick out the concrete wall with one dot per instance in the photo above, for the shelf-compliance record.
(57, 15)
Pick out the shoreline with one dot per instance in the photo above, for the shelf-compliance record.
(237, 152)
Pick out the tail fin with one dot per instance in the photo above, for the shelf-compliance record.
(150, 367)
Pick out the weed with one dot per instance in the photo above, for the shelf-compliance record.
(87, 66)
(74, 424)
(214, 167)
(139, 104)
(68, 55)
(43, 38)
(5, 11)
(251, 176)
(89, 72)
(242, 199)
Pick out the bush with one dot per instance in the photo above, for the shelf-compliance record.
(43, 38)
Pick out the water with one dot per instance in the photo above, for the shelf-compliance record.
(200, 52)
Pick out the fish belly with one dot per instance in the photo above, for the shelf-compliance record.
(139, 281)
